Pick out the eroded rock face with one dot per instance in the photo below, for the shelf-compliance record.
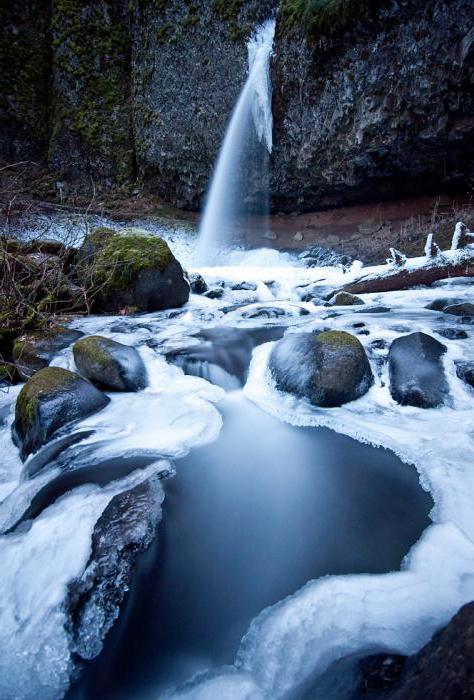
(126, 527)
(330, 368)
(416, 370)
(363, 114)
(52, 398)
(110, 365)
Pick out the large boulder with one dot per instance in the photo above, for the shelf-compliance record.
(416, 371)
(329, 368)
(110, 365)
(130, 268)
(35, 350)
(49, 400)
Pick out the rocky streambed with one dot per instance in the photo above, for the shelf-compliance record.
(218, 407)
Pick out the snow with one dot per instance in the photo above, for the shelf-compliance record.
(288, 644)
(35, 660)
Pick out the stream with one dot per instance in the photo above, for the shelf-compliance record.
(248, 520)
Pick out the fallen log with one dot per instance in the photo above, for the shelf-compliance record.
(406, 278)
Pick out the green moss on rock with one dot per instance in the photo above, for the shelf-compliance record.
(325, 17)
(338, 339)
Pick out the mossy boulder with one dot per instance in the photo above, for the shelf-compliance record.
(329, 368)
(416, 371)
(51, 399)
(35, 350)
(131, 268)
(110, 365)
(345, 299)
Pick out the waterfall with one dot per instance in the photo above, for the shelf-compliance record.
(239, 186)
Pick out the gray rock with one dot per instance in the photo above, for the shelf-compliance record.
(329, 368)
(346, 299)
(35, 350)
(464, 309)
(453, 333)
(215, 293)
(441, 303)
(126, 527)
(110, 365)
(416, 371)
(244, 286)
(198, 283)
(51, 399)
(465, 371)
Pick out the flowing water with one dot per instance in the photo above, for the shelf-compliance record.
(243, 158)
(248, 520)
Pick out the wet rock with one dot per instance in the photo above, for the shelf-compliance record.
(441, 303)
(52, 398)
(378, 344)
(35, 350)
(131, 269)
(465, 371)
(244, 286)
(453, 333)
(198, 283)
(416, 371)
(443, 669)
(345, 299)
(328, 368)
(126, 527)
(464, 309)
(215, 293)
(380, 671)
(110, 365)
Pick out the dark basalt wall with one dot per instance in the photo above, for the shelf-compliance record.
(383, 109)
(378, 108)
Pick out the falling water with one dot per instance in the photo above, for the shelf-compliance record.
(243, 158)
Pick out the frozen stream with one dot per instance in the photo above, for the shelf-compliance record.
(264, 503)
(248, 520)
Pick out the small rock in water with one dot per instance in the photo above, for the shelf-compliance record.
(378, 344)
(110, 365)
(198, 283)
(441, 303)
(373, 310)
(416, 371)
(244, 286)
(215, 293)
(464, 309)
(465, 371)
(346, 299)
(298, 236)
(49, 400)
(34, 351)
(329, 368)
(453, 333)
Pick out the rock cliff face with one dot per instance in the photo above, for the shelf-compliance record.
(381, 108)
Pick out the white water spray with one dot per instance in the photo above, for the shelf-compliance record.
(229, 194)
